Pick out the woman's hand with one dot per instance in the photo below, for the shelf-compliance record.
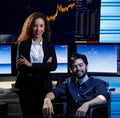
(24, 61)
(49, 59)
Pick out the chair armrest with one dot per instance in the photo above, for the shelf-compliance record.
(98, 107)
(59, 100)
(59, 107)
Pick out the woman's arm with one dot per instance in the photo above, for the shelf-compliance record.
(50, 59)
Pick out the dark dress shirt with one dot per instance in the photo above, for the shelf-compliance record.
(77, 94)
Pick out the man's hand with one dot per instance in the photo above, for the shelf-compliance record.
(81, 111)
(47, 108)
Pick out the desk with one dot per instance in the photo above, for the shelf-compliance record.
(13, 106)
(3, 110)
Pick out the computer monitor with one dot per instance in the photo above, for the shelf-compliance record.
(7, 59)
(62, 58)
(102, 58)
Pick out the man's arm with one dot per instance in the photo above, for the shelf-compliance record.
(47, 105)
(82, 110)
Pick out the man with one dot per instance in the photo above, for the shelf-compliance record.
(81, 91)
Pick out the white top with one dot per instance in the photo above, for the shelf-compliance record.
(36, 52)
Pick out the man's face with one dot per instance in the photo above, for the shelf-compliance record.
(79, 68)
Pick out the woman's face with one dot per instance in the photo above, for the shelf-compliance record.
(38, 28)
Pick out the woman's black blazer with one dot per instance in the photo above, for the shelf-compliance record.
(38, 77)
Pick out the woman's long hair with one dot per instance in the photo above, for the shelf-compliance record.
(27, 29)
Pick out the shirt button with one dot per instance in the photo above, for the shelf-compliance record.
(78, 95)
(76, 100)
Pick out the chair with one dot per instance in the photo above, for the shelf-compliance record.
(103, 110)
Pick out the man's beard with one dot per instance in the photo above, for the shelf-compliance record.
(80, 76)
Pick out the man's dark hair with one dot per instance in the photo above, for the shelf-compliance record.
(74, 56)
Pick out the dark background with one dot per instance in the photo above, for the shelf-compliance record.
(71, 25)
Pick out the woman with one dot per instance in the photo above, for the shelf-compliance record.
(36, 57)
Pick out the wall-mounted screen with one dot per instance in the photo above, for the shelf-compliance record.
(103, 59)
(60, 14)
(62, 58)
(109, 21)
(5, 59)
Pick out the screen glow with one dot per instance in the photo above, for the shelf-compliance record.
(62, 58)
(101, 58)
(5, 59)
